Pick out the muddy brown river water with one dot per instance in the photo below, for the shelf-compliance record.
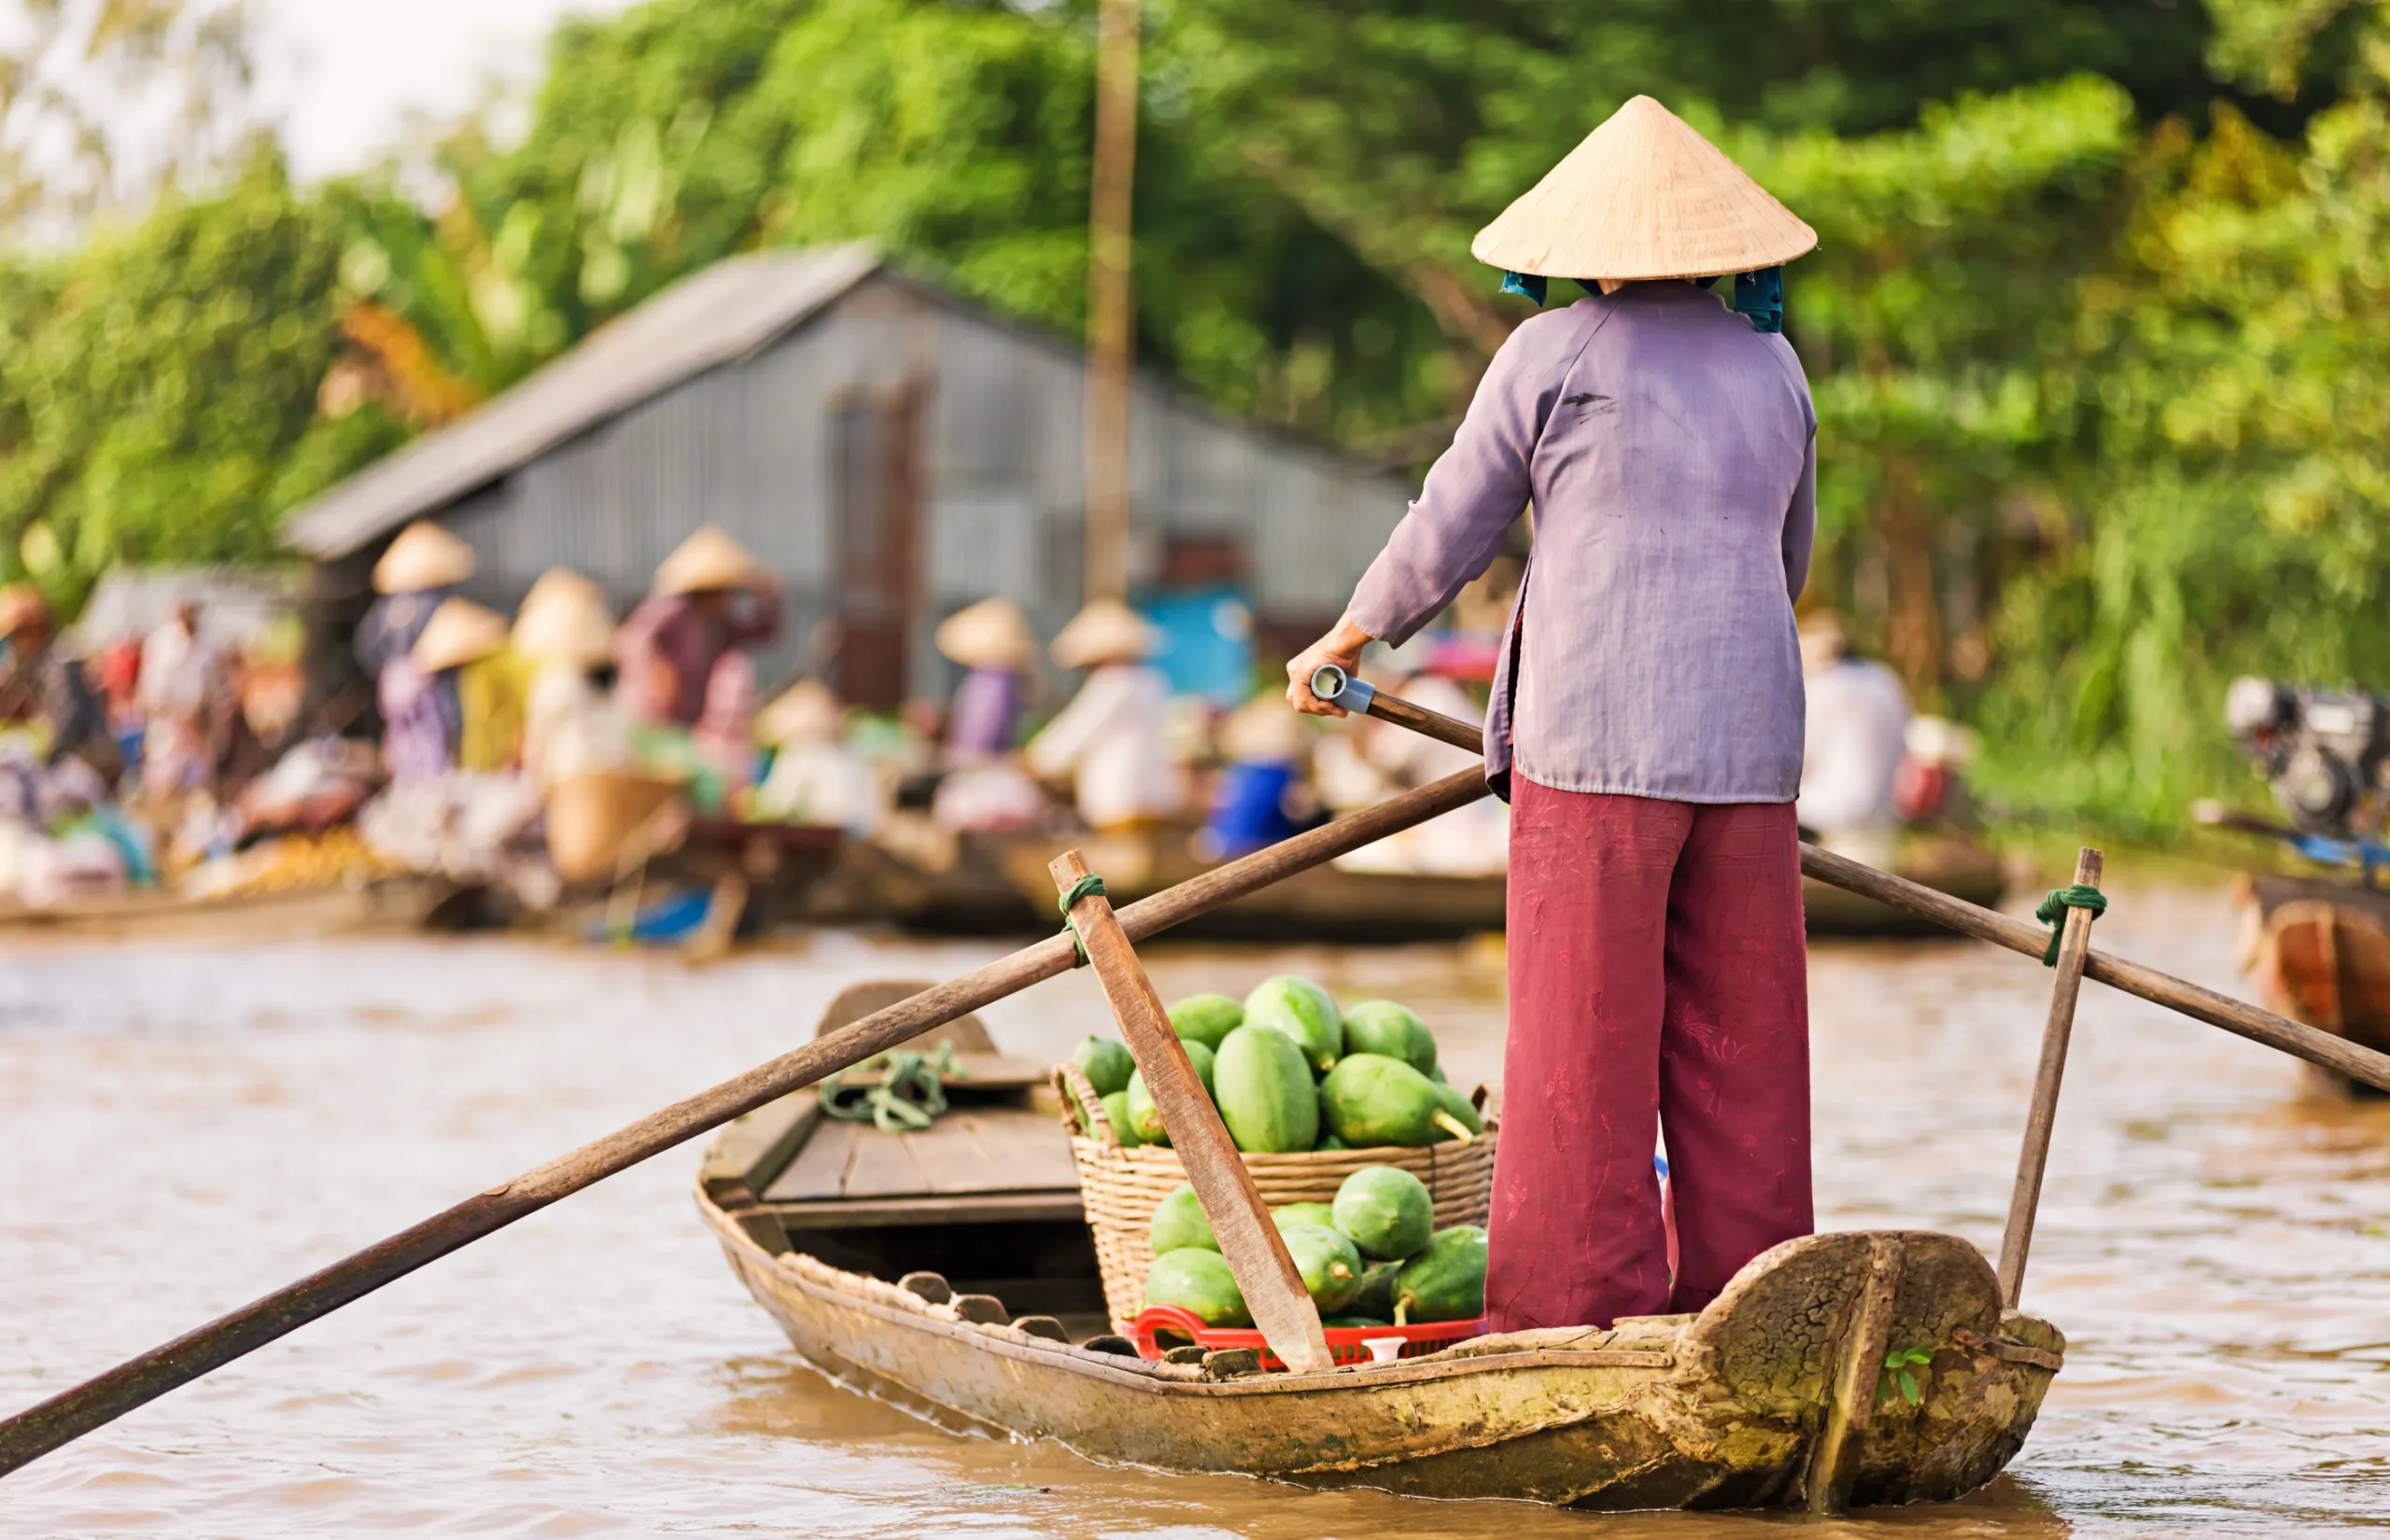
(184, 1125)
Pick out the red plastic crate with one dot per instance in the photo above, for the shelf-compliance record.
(1343, 1342)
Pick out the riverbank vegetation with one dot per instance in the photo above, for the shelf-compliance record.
(2093, 325)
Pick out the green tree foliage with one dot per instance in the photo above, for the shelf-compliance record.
(157, 387)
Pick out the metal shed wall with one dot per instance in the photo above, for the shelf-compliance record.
(746, 445)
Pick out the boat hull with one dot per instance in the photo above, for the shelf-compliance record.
(1721, 1410)
(2319, 952)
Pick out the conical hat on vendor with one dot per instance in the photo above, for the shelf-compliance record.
(1107, 631)
(564, 619)
(459, 632)
(992, 633)
(708, 560)
(1644, 196)
(423, 556)
(1263, 729)
(806, 712)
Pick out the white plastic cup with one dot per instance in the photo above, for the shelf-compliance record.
(1382, 1350)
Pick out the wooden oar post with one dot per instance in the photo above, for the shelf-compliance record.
(2073, 951)
(1257, 1254)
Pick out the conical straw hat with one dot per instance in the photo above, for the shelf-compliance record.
(564, 619)
(1644, 196)
(1107, 631)
(708, 559)
(806, 712)
(460, 633)
(992, 633)
(423, 556)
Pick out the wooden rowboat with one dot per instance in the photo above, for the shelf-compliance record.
(2319, 952)
(986, 1306)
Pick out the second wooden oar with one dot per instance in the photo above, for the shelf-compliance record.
(38, 1428)
(2294, 1038)
(1255, 1252)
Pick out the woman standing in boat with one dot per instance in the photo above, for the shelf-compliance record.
(1646, 723)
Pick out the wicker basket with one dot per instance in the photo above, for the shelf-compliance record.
(1121, 1187)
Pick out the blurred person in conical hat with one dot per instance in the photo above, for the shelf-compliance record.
(1114, 736)
(1857, 732)
(44, 688)
(992, 642)
(1261, 796)
(565, 637)
(1646, 721)
(710, 596)
(421, 567)
(461, 656)
(814, 776)
(418, 570)
(984, 789)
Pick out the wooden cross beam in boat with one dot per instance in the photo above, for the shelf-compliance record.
(1257, 1254)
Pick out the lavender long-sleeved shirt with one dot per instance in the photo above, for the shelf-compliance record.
(1670, 453)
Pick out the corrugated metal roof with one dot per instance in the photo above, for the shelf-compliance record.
(722, 313)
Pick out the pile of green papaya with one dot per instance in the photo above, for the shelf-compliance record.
(1290, 1070)
(1372, 1258)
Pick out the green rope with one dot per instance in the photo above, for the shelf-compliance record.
(2052, 913)
(909, 1096)
(1087, 886)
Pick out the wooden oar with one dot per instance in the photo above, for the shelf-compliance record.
(68, 1415)
(1257, 1254)
(2075, 944)
(2238, 1017)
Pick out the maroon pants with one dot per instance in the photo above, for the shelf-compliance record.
(1659, 979)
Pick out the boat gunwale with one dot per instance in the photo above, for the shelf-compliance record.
(1659, 1364)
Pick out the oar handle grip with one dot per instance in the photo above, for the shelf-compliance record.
(1333, 685)
(1336, 687)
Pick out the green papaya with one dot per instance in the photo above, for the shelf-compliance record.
(1178, 1223)
(1198, 1281)
(1206, 1018)
(1142, 1110)
(1124, 1127)
(1264, 1092)
(1375, 1296)
(1304, 1012)
(1331, 1268)
(1437, 1074)
(1303, 1213)
(1106, 1063)
(1445, 1281)
(1348, 1321)
(1327, 1140)
(1388, 1211)
(1459, 1109)
(1382, 1026)
(1373, 1100)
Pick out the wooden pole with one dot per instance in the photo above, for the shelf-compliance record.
(2238, 1017)
(1257, 1254)
(2074, 945)
(30, 1434)
(1111, 329)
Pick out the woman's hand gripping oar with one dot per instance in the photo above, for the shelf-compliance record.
(36, 1431)
(1333, 685)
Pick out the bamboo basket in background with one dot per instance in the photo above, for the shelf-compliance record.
(1119, 1188)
